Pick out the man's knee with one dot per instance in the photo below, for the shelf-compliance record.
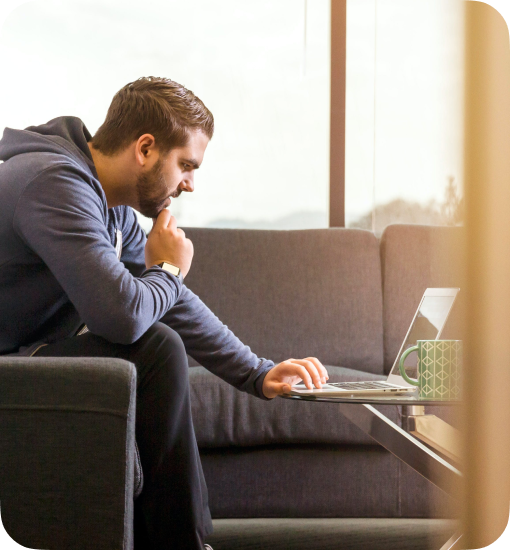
(162, 354)
(165, 340)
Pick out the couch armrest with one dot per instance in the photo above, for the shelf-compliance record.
(67, 437)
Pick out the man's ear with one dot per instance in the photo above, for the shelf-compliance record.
(145, 149)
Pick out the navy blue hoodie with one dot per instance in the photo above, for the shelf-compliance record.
(59, 267)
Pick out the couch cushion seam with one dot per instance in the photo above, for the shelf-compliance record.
(44, 408)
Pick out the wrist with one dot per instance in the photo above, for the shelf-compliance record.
(170, 268)
(266, 387)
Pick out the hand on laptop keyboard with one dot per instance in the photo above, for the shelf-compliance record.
(283, 376)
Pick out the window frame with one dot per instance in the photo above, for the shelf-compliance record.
(337, 113)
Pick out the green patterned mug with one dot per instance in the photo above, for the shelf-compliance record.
(439, 366)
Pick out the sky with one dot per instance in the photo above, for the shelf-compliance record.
(262, 67)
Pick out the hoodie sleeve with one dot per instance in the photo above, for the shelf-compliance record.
(61, 218)
(205, 337)
(215, 346)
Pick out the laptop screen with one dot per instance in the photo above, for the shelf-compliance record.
(427, 325)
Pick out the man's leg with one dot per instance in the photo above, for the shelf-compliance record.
(172, 511)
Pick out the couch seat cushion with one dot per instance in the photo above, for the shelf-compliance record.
(224, 416)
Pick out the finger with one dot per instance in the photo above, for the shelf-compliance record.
(323, 373)
(312, 371)
(301, 371)
(282, 388)
(295, 372)
(276, 388)
(172, 224)
(163, 219)
(180, 231)
(320, 367)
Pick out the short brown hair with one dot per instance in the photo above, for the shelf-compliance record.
(156, 106)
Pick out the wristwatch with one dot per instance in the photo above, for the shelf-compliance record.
(173, 269)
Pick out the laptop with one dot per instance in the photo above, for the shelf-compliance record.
(427, 324)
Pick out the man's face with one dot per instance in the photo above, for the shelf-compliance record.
(171, 174)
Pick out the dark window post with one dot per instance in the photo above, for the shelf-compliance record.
(337, 116)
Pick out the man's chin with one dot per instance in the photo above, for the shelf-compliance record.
(152, 211)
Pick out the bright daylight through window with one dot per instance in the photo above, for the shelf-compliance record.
(404, 108)
(261, 67)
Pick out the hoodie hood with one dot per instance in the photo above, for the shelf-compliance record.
(63, 135)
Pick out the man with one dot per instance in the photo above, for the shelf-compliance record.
(79, 277)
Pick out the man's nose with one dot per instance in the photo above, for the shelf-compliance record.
(188, 183)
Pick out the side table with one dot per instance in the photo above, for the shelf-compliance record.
(417, 443)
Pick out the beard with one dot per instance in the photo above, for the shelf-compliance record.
(152, 191)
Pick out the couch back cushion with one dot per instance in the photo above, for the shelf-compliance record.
(416, 257)
(295, 293)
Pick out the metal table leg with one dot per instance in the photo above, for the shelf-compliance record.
(405, 447)
(453, 543)
(408, 449)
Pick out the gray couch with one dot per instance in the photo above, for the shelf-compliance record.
(67, 451)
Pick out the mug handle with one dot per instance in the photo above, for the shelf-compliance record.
(402, 368)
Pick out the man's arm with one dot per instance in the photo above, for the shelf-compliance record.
(213, 345)
(205, 337)
(61, 218)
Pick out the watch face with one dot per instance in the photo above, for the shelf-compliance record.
(174, 270)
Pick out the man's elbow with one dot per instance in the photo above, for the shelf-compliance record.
(124, 331)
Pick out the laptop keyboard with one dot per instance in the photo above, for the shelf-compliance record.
(361, 385)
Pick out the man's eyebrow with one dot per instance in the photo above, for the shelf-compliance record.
(193, 163)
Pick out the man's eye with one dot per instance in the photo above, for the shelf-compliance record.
(187, 166)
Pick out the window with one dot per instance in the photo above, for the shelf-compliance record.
(261, 66)
(404, 109)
